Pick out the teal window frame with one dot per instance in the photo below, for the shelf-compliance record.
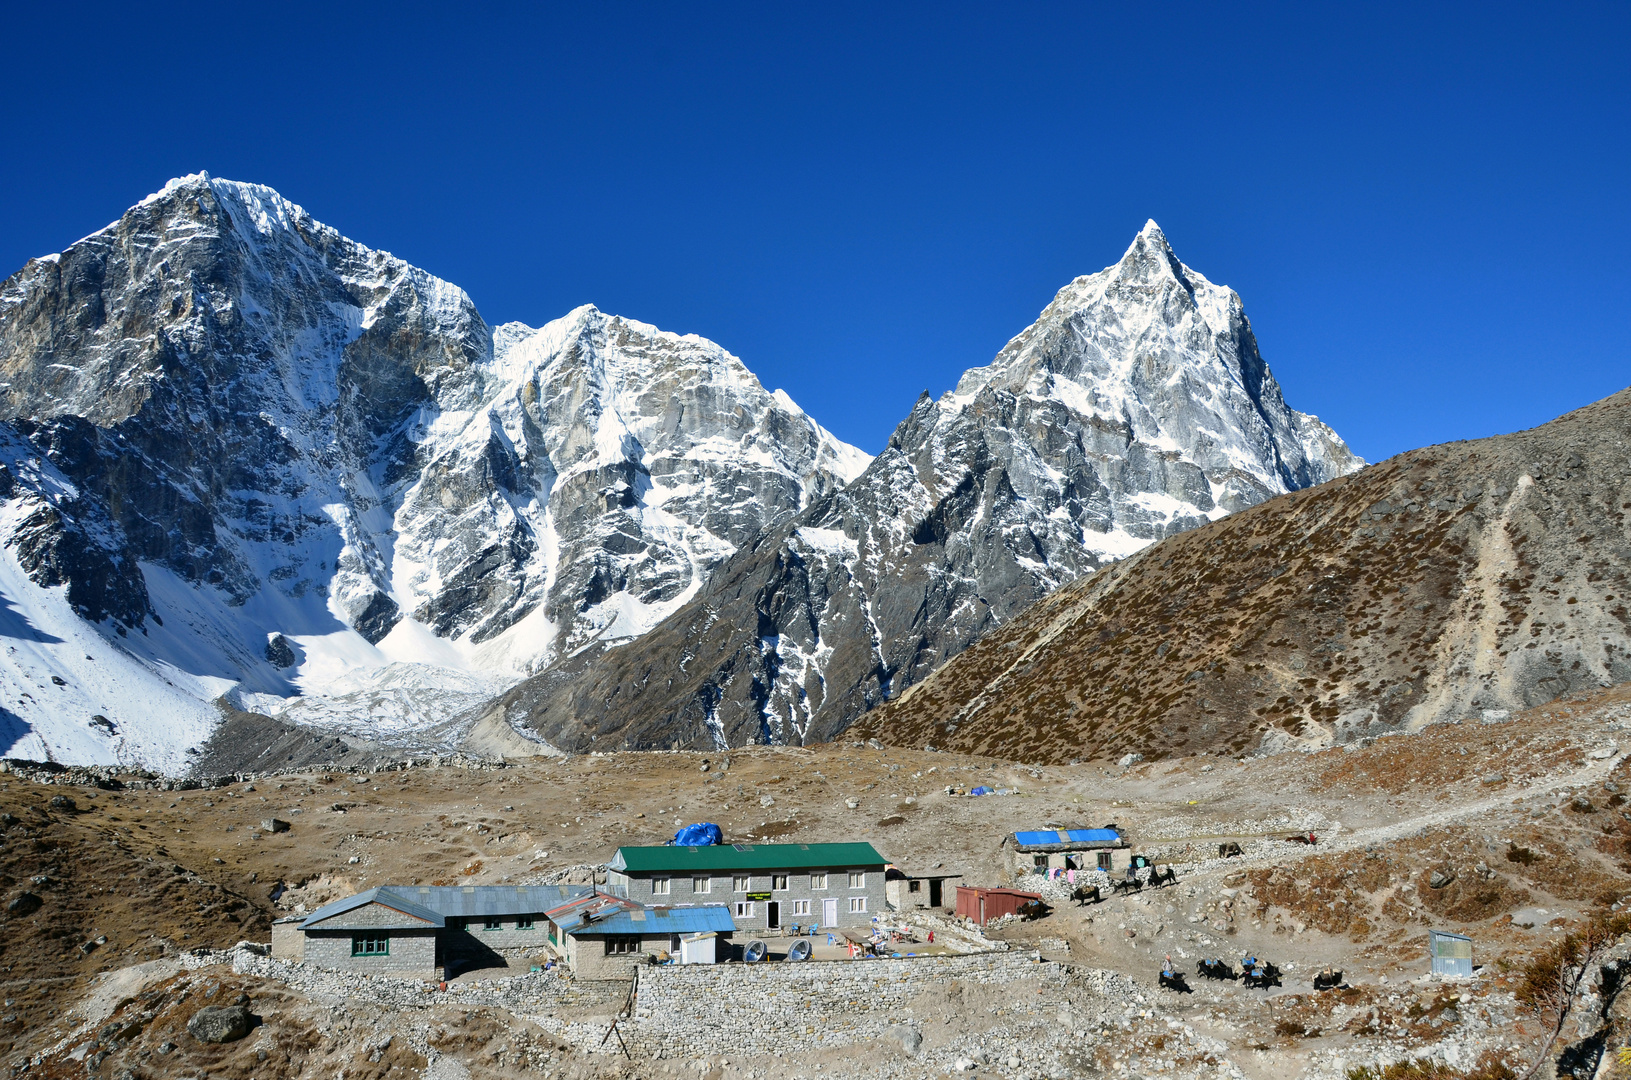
(369, 945)
(523, 922)
(492, 924)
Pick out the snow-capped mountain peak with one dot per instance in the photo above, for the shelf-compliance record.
(331, 471)
(1135, 407)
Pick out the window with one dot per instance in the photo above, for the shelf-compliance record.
(492, 924)
(524, 922)
(857, 880)
(370, 945)
(659, 886)
(818, 881)
(744, 909)
(1105, 860)
(801, 907)
(914, 886)
(702, 885)
(742, 882)
(622, 944)
(857, 904)
(1039, 861)
(778, 882)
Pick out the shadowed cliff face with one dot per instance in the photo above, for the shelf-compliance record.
(1137, 407)
(282, 434)
(218, 370)
(1438, 584)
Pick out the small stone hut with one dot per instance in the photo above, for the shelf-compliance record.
(603, 937)
(1038, 851)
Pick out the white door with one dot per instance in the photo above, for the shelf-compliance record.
(829, 913)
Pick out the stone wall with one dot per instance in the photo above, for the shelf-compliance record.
(288, 940)
(709, 1008)
(413, 952)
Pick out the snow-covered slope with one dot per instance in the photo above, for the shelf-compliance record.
(328, 477)
(1137, 406)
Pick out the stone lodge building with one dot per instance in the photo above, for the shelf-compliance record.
(767, 887)
(417, 930)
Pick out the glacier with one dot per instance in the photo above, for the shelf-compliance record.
(323, 487)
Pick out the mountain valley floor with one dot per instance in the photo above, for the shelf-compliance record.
(1514, 832)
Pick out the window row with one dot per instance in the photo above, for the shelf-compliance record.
(523, 922)
(664, 886)
(745, 909)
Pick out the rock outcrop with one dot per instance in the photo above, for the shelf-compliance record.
(1458, 582)
(1135, 408)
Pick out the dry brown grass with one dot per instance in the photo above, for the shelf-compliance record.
(1348, 597)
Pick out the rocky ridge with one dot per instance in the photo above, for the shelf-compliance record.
(1137, 407)
(1459, 581)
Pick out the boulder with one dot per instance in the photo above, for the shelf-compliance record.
(24, 904)
(63, 802)
(274, 825)
(911, 1040)
(219, 1023)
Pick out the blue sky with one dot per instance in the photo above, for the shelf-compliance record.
(1424, 207)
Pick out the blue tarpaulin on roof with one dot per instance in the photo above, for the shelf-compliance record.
(1068, 836)
(700, 835)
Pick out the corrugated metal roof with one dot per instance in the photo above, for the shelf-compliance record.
(745, 857)
(664, 920)
(491, 901)
(1039, 838)
(383, 896)
(581, 911)
(438, 903)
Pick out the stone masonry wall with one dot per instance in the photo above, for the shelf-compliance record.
(702, 1008)
(413, 952)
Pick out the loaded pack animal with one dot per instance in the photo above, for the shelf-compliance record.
(1216, 969)
(1127, 884)
(1032, 910)
(1173, 979)
(1304, 838)
(1086, 894)
(1259, 973)
(1229, 850)
(1328, 979)
(1164, 875)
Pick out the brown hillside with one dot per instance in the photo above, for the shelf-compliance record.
(1477, 575)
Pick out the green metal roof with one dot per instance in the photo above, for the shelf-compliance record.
(639, 860)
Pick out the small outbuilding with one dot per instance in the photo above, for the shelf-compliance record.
(983, 905)
(604, 936)
(378, 930)
(904, 889)
(1040, 850)
(1451, 953)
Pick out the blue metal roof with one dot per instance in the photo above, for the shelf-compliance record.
(663, 920)
(384, 897)
(1068, 836)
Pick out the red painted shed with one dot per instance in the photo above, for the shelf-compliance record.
(983, 905)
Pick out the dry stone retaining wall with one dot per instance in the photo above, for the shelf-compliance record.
(699, 1008)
